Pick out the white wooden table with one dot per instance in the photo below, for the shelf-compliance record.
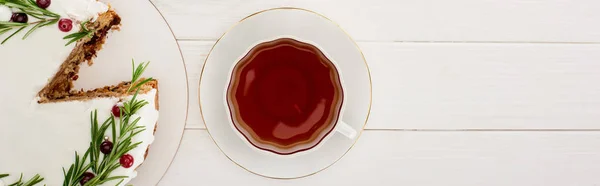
(465, 92)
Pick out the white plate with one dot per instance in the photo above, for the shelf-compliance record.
(268, 25)
(145, 36)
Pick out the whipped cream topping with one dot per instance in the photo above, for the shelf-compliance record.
(79, 10)
(43, 139)
(5, 14)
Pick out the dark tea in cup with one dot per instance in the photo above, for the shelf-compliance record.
(285, 96)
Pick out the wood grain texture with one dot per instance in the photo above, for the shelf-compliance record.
(418, 158)
(407, 20)
(467, 86)
(505, 88)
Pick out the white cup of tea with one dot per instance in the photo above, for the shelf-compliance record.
(285, 97)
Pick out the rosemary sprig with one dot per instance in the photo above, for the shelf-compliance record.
(31, 182)
(77, 169)
(137, 73)
(30, 8)
(44, 18)
(102, 165)
(84, 32)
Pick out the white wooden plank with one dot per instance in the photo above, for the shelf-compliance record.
(407, 20)
(418, 158)
(467, 86)
(484, 86)
(194, 54)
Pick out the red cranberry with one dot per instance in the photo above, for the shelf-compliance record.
(65, 25)
(43, 3)
(116, 111)
(19, 18)
(87, 176)
(126, 161)
(106, 147)
(75, 77)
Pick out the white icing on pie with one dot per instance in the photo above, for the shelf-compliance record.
(80, 10)
(42, 138)
(5, 14)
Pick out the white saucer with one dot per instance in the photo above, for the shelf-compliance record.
(267, 25)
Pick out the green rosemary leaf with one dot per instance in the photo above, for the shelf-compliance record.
(94, 128)
(83, 26)
(114, 166)
(85, 157)
(122, 112)
(4, 30)
(72, 41)
(118, 184)
(34, 180)
(74, 35)
(92, 181)
(49, 14)
(138, 85)
(144, 69)
(133, 99)
(31, 182)
(66, 182)
(70, 173)
(32, 29)
(112, 178)
(134, 123)
(126, 108)
(15, 5)
(138, 132)
(19, 2)
(132, 72)
(103, 129)
(131, 147)
(6, 23)
(51, 22)
(45, 11)
(18, 182)
(114, 128)
(93, 121)
(79, 35)
(13, 34)
(137, 73)
(31, 1)
(76, 162)
(4, 175)
(138, 105)
(124, 143)
(36, 15)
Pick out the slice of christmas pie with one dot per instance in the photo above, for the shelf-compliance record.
(50, 133)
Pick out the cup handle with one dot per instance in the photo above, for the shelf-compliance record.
(345, 129)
